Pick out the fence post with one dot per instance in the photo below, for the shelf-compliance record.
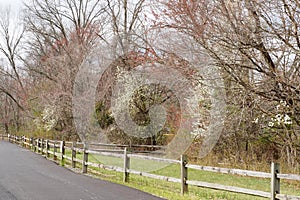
(34, 144)
(275, 181)
(85, 159)
(42, 146)
(126, 166)
(23, 141)
(62, 153)
(54, 151)
(27, 140)
(38, 145)
(184, 174)
(47, 148)
(73, 155)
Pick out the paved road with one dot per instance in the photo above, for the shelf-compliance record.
(25, 175)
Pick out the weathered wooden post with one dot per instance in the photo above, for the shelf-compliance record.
(8, 136)
(29, 143)
(62, 153)
(47, 148)
(34, 144)
(73, 158)
(38, 145)
(23, 141)
(126, 166)
(54, 151)
(85, 159)
(42, 146)
(184, 174)
(275, 181)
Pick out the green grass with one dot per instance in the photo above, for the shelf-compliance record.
(287, 187)
(171, 191)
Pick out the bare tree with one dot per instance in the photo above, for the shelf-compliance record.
(11, 36)
(128, 23)
(256, 44)
(11, 80)
(60, 33)
(55, 24)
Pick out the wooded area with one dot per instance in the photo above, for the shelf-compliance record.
(226, 76)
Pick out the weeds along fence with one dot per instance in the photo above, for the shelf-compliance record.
(56, 150)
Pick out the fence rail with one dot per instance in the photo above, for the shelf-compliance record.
(57, 150)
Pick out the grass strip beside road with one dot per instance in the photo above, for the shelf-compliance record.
(170, 190)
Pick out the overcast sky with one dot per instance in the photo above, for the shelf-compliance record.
(14, 4)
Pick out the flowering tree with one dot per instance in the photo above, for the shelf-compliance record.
(60, 36)
(256, 45)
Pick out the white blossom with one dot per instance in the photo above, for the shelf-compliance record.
(271, 124)
(287, 120)
(255, 121)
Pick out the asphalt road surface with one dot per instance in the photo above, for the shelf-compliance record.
(25, 175)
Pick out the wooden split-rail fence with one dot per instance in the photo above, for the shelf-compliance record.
(57, 150)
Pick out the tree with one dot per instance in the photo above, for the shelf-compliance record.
(133, 56)
(12, 89)
(256, 44)
(61, 35)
